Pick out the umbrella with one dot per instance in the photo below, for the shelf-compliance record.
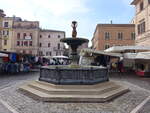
(3, 55)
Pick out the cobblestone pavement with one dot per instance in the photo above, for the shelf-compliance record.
(8, 80)
(146, 108)
(3, 109)
(143, 82)
(24, 104)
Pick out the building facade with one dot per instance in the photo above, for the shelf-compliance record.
(109, 35)
(2, 15)
(49, 42)
(7, 33)
(25, 37)
(142, 21)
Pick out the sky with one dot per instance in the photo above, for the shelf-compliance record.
(58, 14)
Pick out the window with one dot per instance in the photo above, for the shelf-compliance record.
(40, 44)
(25, 43)
(132, 36)
(5, 24)
(18, 43)
(107, 35)
(50, 53)
(24, 35)
(31, 35)
(141, 6)
(141, 28)
(30, 43)
(120, 36)
(22, 43)
(40, 36)
(47, 53)
(18, 36)
(58, 45)
(3, 32)
(107, 46)
(58, 36)
(5, 42)
(40, 53)
(49, 45)
(49, 36)
(7, 33)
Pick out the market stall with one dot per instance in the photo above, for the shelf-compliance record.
(11, 62)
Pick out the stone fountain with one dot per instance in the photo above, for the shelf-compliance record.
(73, 83)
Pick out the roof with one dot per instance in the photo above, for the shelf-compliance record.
(49, 30)
(120, 49)
(116, 25)
(134, 2)
(13, 18)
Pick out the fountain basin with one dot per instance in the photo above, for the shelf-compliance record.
(73, 75)
(74, 41)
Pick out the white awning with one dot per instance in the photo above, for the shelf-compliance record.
(3, 55)
(65, 57)
(129, 55)
(143, 55)
(136, 56)
(119, 49)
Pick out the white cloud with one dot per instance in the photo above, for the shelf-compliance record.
(62, 7)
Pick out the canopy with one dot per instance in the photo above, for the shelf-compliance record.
(3, 55)
(129, 55)
(138, 56)
(91, 51)
(48, 57)
(143, 55)
(119, 49)
(65, 57)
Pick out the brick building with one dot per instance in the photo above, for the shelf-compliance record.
(108, 35)
(142, 21)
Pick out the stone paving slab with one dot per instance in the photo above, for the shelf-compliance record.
(122, 104)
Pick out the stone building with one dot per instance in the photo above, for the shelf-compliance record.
(25, 37)
(108, 35)
(7, 33)
(2, 15)
(142, 21)
(49, 42)
(21, 36)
